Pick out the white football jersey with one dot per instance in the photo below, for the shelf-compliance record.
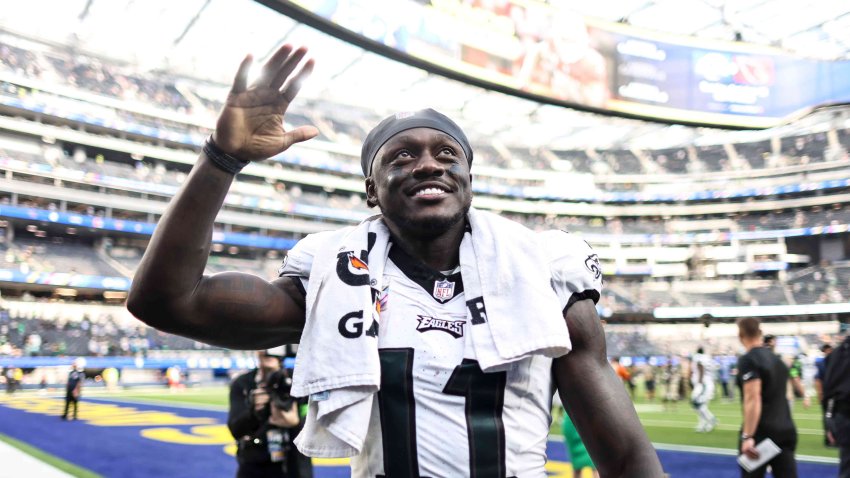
(437, 414)
(708, 368)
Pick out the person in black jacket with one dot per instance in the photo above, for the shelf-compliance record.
(265, 422)
(763, 379)
(836, 394)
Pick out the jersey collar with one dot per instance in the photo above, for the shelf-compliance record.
(426, 277)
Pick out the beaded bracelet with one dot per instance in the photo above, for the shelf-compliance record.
(223, 160)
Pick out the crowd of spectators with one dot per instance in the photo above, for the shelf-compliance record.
(816, 216)
(821, 285)
(103, 335)
(279, 197)
(53, 255)
(286, 194)
(124, 82)
(92, 74)
(100, 335)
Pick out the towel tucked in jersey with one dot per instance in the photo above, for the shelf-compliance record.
(512, 307)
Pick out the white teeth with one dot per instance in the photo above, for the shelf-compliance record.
(429, 191)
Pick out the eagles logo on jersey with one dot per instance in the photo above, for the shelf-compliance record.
(592, 263)
(452, 327)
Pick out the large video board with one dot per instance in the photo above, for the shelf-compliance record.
(537, 50)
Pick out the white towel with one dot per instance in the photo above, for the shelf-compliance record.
(511, 305)
(506, 265)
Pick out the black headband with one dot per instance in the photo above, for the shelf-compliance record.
(399, 122)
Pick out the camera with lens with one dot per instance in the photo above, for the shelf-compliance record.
(279, 386)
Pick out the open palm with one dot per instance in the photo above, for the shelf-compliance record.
(250, 127)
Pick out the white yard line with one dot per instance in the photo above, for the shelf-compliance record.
(17, 463)
(731, 452)
(721, 426)
(718, 451)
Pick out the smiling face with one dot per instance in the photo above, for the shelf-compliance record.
(420, 180)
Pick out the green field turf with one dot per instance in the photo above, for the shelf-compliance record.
(209, 396)
(676, 425)
(668, 425)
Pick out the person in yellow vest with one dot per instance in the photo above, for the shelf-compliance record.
(110, 378)
(18, 377)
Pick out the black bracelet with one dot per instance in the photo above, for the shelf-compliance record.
(223, 160)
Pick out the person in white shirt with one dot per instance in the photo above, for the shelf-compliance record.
(702, 381)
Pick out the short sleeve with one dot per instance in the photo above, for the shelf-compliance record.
(299, 260)
(747, 369)
(574, 267)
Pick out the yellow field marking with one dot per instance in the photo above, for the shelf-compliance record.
(104, 415)
(199, 435)
(332, 461)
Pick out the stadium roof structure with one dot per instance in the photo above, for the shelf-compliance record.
(207, 38)
(809, 27)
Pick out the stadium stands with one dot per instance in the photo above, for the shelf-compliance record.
(821, 284)
(169, 117)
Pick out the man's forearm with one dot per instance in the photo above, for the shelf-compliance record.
(177, 254)
(597, 402)
(752, 415)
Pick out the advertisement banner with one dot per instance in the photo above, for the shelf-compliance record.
(546, 52)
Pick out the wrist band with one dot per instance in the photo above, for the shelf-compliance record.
(744, 436)
(221, 159)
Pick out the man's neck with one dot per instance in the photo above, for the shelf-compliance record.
(752, 343)
(440, 252)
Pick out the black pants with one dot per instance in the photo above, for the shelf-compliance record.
(844, 457)
(842, 436)
(69, 399)
(783, 465)
(260, 470)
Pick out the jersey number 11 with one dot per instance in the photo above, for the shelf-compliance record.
(484, 393)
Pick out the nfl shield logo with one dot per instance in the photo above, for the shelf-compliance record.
(444, 290)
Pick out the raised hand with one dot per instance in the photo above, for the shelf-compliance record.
(250, 127)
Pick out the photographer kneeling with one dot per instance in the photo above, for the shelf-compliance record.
(264, 420)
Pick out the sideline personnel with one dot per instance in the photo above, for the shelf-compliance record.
(836, 393)
(263, 418)
(763, 378)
